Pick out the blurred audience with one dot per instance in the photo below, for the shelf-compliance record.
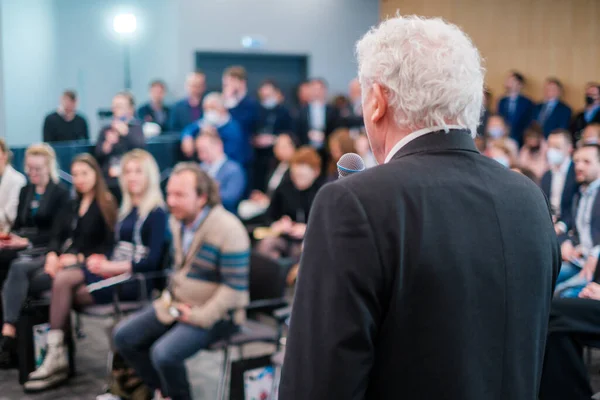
(290, 205)
(155, 110)
(559, 183)
(85, 227)
(363, 148)
(304, 94)
(351, 116)
(139, 246)
(340, 143)
(590, 114)
(532, 155)
(211, 268)
(217, 117)
(514, 107)
(65, 124)
(501, 152)
(485, 114)
(229, 174)
(590, 134)
(497, 131)
(189, 109)
(121, 136)
(552, 113)
(11, 183)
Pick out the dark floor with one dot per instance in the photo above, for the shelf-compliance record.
(204, 369)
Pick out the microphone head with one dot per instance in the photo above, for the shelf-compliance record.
(350, 163)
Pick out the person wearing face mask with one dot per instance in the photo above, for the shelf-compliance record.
(558, 183)
(497, 131)
(274, 119)
(515, 108)
(216, 116)
(500, 153)
(532, 155)
(591, 112)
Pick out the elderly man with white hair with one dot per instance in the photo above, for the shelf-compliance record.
(429, 276)
(216, 116)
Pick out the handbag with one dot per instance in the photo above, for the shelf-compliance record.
(130, 251)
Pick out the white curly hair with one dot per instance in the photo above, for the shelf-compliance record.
(431, 69)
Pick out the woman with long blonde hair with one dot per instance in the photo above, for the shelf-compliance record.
(140, 238)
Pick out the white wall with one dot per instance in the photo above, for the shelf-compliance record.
(89, 57)
(2, 119)
(29, 67)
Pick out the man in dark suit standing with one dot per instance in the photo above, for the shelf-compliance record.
(558, 183)
(591, 112)
(429, 276)
(155, 110)
(515, 108)
(552, 114)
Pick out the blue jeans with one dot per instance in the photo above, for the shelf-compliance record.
(157, 352)
(569, 283)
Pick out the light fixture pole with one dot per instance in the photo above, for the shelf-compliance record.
(125, 25)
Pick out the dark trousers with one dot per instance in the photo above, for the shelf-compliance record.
(157, 352)
(574, 323)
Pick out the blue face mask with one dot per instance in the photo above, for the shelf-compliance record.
(503, 161)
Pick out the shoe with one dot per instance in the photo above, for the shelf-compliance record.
(54, 369)
(8, 352)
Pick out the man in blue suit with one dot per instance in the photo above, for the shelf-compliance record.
(229, 174)
(591, 113)
(188, 110)
(515, 108)
(552, 114)
(559, 182)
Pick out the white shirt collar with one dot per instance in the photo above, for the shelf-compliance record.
(416, 134)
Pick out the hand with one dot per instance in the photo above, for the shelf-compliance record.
(94, 261)
(110, 139)
(51, 264)
(185, 311)
(264, 140)
(298, 230)
(187, 146)
(104, 268)
(259, 197)
(66, 260)
(15, 242)
(558, 228)
(591, 291)
(589, 268)
(577, 252)
(316, 136)
(121, 127)
(284, 225)
(567, 251)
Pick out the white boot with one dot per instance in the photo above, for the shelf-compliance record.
(55, 367)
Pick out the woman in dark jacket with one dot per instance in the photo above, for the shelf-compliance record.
(84, 227)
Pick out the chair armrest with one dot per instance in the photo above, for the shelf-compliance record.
(267, 303)
(282, 314)
(126, 277)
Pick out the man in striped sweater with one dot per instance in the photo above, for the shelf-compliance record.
(212, 253)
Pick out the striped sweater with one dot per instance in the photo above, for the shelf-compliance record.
(213, 276)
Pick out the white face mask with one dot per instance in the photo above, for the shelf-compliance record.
(555, 156)
(269, 103)
(503, 161)
(212, 117)
(231, 102)
(496, 132)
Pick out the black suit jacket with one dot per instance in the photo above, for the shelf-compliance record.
(579, 124)
(303, 123)
(566, 203)
(573, 234)
(147, 114)
(38, 228)
(429, 277)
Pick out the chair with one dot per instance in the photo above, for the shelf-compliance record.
(266, 287)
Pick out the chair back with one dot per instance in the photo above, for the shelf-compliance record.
(267, 278)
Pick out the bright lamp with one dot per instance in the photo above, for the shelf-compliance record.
(125, 23)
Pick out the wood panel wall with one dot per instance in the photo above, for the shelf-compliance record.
(539, 38)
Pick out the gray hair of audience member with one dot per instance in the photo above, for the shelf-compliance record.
(214, 97)
(430, 70)
(205, 185)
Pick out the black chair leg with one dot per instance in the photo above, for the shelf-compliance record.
(224, 374)
(78, 327)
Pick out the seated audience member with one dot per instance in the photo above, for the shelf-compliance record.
(304, 95)
(212, 254)
(11, 183)
(139, 244)
(485, 114)
(515, 108)
(501, 152)
(243, 108)
(290, 205)
(85, 227)
(363, 149)
(590, 135)
(532, 155)
(274, 118)
(317, 120)
(552, 113)
(340, 143)
(216, 116)
(257, 204)
(480, 143)
(559, 183)
(497, 130)
(156, 111)
(227, 173)
(188, 110)
(590, 114)
(581, 246)
(526, 172)
(65, 124)
(121, 136)
(574, 323)
(351, 116)
(38, 203)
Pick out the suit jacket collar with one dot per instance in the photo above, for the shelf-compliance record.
(455, 139)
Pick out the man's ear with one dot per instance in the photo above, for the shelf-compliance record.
(379, 102)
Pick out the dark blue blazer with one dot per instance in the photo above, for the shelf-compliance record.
(275, 121)
(573, 235)
(570, 189)
(560, 117)
(246, 113)
(521, 118)
(181, 115)
(146, 114)
(232, 184)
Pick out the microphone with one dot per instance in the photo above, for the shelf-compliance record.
(350, 163)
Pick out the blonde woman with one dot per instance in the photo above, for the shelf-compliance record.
(140, 238)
